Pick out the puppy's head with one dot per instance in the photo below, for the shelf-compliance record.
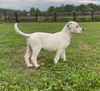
(73, 27)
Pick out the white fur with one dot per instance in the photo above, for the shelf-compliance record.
(50, 42)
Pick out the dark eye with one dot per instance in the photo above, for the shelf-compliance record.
(76, 26)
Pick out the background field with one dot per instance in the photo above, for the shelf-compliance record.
(81, 71)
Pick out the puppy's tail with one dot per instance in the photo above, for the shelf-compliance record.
(19, 32)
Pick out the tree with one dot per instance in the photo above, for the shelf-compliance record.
(62, 7)
(70, 8)
(51, 9)
(32, 10)
(24, 11)
(83, 8)
(37, 10)
(94, 7)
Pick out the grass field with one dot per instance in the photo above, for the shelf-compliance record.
(81, 71)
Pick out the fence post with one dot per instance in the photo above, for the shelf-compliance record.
(5, 16)
(36, 15)
(55, 17)
(92, 16)
(74, 16)
(16, 17)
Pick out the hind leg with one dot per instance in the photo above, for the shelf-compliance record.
(27, 57)
(35, 45)
(35, 52)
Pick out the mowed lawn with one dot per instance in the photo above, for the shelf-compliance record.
(81, 71)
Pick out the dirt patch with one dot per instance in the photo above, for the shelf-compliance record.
(84, 46)
(95, 66)
(19, 56)
(98, 43)
(21, 49)
(32, 69)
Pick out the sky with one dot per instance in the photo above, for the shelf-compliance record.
(41, 4)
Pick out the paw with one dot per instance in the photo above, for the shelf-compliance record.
(30, 66)
(55, 62)
(36, 66)
(64, 60)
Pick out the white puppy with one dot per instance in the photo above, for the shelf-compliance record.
(50, 42)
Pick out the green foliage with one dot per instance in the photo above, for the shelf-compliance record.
(72, 8)
(81, 71)
(51, 9)
(8, 10)
(33, 10)
(83, 8)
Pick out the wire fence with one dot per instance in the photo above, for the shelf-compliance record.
(11, 17)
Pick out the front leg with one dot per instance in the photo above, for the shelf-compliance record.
(63, 56)
(58, 54)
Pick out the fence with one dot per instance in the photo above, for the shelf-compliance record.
(49, 17)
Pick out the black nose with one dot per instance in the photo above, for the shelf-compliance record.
(82, 29)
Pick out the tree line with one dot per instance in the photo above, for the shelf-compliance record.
(63, 8)
(72, 8)
(9, 10)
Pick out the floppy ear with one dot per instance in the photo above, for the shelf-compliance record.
(69, 25)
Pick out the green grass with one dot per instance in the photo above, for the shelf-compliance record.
(81, 71)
